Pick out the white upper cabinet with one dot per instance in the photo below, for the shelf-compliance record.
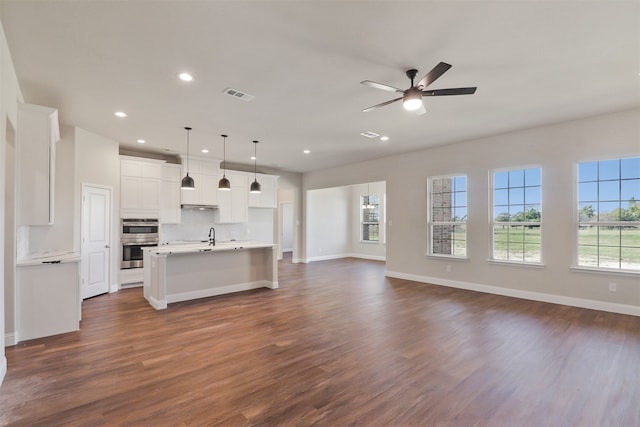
(37, 134)
(140, 187)
(205, 176)
(233, 205)
(170, 194)
(267, 198)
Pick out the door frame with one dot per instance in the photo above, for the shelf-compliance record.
(112, 247)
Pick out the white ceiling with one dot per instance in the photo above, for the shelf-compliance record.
(533, 62)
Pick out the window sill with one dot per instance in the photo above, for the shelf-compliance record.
(371, 242)
(516, 263)
(447, 257)
(607, 271)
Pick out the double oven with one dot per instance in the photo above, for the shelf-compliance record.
(137, 234)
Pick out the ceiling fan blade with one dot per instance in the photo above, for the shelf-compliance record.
(366, 110)
(454, 91)
(420, 111)
(433, 75)
(381, 86)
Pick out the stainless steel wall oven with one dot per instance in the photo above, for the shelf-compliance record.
(136, 234)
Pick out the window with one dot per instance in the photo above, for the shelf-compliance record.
(609, 214)
(370, 225)
(448, 216)
(517, 212)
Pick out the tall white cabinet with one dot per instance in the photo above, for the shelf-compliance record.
(170, 194)
(140, 187)
(37, 134)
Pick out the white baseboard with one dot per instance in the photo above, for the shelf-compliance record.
(339, 256)
(113, 288)
(3, 368)
(369, 257)
(10, 338)
(528, 295)
(156, 303)
(326, 257)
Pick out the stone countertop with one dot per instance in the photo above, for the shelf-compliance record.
(186, 247)
(62, 258)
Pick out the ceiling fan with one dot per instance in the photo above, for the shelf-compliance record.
(412, 97)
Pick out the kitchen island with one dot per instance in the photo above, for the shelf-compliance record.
(181, 272)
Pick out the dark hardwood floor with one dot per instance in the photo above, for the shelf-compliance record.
(338, 344)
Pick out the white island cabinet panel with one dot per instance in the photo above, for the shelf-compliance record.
(174, 273)
(37, 134)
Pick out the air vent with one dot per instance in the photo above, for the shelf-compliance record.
(237, 94)
(370, 134)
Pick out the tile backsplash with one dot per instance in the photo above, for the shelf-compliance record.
(195, 225)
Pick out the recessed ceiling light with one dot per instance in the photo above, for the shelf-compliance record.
(204, 150)
(253, 157)
(384, 138)
(185, 77)
(120, 114)
(307, 151)
(141, 141)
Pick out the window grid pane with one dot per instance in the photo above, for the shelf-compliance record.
(517, 213)
(370, 217)
(609, 214)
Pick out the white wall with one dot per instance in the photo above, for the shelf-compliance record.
(10, 95)
(287, 226)
(329, 212)
(557, 149)
(97, 162)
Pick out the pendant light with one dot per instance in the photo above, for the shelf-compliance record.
(224, 184)
(368, 205)
(255, 185)
(187, 181)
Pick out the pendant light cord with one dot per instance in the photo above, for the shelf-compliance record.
(188, 129)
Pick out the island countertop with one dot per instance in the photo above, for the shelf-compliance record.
(189, 247)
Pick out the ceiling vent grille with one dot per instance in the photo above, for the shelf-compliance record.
(234, 93)
(369, 134)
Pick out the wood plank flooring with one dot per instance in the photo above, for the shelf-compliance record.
(338, 344)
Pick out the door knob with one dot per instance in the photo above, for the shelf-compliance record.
(107, 246)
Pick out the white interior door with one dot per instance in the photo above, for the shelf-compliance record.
(96, 240)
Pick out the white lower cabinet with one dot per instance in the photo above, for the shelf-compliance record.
(47, 300)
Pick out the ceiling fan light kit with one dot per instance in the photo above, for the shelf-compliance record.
(412, 97)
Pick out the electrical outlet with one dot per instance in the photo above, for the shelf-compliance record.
(612, 287)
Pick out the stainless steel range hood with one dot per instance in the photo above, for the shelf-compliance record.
(199, 207)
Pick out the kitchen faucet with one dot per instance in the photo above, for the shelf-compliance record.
(212, 236)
